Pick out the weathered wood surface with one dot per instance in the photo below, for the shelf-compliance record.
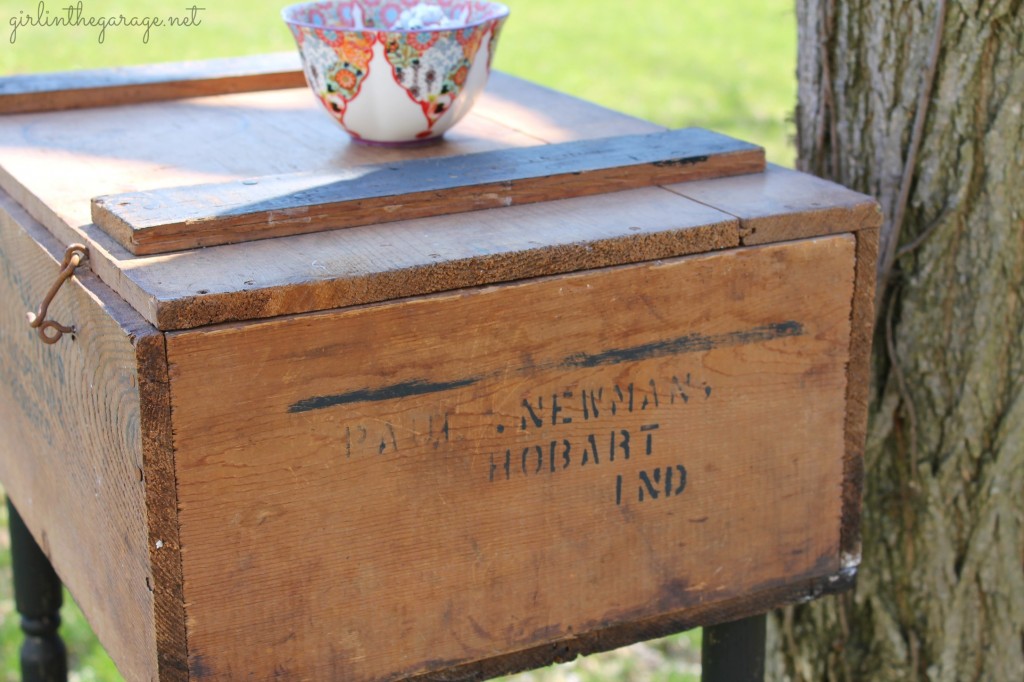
(384, 262)
(53, 164)
(858, 391)
(147, 83)
(193, 216)
(161, 507)
(782, 204)
(445, 492)
(614, 636)
(74, 444)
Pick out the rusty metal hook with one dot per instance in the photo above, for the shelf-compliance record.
(73, 257)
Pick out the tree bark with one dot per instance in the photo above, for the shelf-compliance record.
(919, 103)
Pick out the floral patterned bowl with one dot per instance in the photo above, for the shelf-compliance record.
(390, 85)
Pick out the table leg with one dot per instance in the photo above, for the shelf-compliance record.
(38, 595)
(734, 652)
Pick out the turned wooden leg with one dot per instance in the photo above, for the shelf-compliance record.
(734, 652)
(38, 596)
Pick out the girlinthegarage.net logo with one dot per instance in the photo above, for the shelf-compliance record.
(75, 16)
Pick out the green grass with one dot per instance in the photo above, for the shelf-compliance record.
(728, 65)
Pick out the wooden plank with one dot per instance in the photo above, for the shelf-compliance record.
(550, 115)
(73, 439)
(383, 481)
(161, 508)
(384, 262)
(613, 636)
(53, 164)
(86, 88)
(858, 393)
(177, 218)
(782, 204)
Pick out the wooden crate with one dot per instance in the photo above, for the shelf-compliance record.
(450, 445)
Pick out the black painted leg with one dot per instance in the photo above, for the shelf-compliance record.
(734, 652)
(38, 595)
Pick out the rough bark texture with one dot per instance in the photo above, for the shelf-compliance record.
(940, 595)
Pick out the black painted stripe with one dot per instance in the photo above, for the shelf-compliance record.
(370, 395)
(691, 343)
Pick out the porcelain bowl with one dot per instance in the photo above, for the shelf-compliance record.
(391, 85)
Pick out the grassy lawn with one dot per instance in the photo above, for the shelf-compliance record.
(727, 65)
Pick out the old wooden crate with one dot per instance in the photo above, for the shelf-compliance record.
(455, 444)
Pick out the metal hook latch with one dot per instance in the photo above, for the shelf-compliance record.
(73, 257)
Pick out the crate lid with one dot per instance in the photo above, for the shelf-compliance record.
(176, 175)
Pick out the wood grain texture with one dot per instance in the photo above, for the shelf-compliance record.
(148, 83)
(385, 262)
(858, 392)
(71, 439)
(752, 603)
(383, 479)
(782, 204)
(161, 508)
(54, 163)
(177, 218)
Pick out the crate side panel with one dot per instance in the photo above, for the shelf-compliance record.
(70, 443)
(398, 489)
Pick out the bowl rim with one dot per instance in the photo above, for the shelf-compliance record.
(502, 8)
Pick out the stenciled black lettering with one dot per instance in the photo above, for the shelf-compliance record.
(674, 482)
(632, 397)
(651, 488)
(565, 420)
(537, 421)
(679, 389)
(618, 489)
(592, 450)
(682, 479)
(647, 428)
(555, 409)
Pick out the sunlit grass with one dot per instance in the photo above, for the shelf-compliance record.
(727, 65)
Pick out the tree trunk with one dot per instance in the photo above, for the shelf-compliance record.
(919, 103)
